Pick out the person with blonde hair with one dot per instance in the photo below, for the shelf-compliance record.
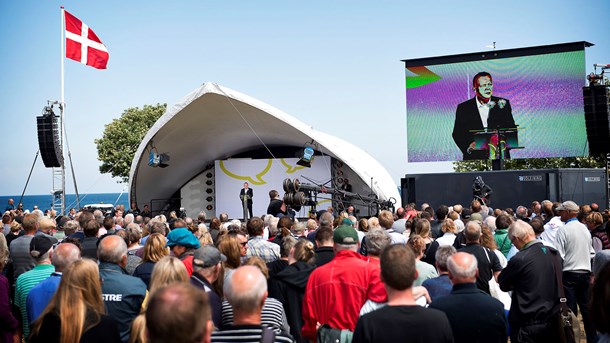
(167, 271)
(424, 270)
(76, 313)
(154, 250)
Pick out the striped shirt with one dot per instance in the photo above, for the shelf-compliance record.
(268, 251)
(25, 282)
(245, 334)
(272, 316)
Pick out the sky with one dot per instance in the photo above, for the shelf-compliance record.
(335, 65)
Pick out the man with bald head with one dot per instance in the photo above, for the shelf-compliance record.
(40, 296)
(123, 294)
(531, 276)
(474, 316)
(246, 291)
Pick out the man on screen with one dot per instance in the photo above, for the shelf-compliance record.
(484, 111)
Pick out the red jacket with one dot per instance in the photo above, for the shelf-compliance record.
(337, 290)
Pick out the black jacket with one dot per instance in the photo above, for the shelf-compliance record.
(288, 286)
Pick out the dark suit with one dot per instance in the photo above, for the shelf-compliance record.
(249, 203)
(474, 316)
(467, 118)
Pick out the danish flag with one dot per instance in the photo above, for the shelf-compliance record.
(83, 45)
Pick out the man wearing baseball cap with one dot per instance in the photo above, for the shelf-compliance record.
(206, 269)
(574, 245)
(349, 279)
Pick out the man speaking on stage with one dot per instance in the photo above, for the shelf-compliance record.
(245, 195)
(484, 111)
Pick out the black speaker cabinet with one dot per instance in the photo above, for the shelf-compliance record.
(597, 118)
(48, 141)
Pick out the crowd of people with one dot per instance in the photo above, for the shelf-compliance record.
(460, 273)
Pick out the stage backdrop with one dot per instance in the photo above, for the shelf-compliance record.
(263, 175)
(543, 85)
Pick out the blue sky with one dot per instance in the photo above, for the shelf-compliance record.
(335, 65)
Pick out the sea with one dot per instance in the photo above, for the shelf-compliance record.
(44, 202)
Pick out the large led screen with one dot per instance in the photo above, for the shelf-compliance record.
(531, 96)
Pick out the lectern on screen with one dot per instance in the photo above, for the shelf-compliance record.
(535, 92)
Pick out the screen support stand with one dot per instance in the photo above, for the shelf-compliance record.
(497, 164)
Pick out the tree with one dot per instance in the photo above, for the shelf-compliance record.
(122, 137)
(595, 161)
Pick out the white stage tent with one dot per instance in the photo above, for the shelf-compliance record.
(216, 123)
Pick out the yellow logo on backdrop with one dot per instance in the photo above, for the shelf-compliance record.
(258, 178)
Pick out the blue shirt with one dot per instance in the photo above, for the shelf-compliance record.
(438, 286)
(40, 296)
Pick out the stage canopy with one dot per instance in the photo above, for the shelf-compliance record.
(216, 123)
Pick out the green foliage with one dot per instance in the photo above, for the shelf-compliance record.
(122, 137)
(596, 161)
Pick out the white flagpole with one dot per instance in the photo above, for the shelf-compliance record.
(61, 111)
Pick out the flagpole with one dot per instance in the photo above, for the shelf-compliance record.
(61, 111)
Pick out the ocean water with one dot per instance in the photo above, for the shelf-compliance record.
(44, 201)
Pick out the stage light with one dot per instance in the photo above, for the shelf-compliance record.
(305, 160)
(158, 160)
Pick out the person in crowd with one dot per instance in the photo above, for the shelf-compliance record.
(190, 319)
(8, 323)
(435, 225)
(41, 250)
(600, 305)
(503, 221)
(182, 244)
(531, 276)
(89, 243)
(552, 225)
(487, 241)
(207, 267)
(449, 231)
(440, 286)
(230, 247)
(402, 317)
(167, 271)
(19, 248)
(574, 244)
(474, 316)
(422, 228)
(386, 220)
(425, 270)
(487, 262)
(280, 264)
(40, 295)
(154, 250)
(349, 279)
(76, 313)
(47, 227)
(272, 314)
(132, 239)
(246, 291)
(257, 245)
(288, 286)
(599, 236)
(122, 294)
(324, 246)
(14, 233)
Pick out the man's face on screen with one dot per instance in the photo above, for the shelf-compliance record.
(484, 87)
